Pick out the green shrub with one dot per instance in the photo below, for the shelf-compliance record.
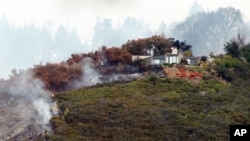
(224, 72)
(167, 80)
(206, 77)
(152, 78)
(227, 63)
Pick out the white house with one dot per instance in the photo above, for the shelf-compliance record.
(169, 58)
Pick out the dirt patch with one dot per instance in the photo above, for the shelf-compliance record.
(170, 72)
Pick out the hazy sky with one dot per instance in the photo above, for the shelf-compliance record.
(82, 14)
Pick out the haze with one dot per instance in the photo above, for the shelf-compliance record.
(36, 31)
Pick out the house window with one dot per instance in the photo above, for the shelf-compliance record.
(172, 59)
(157, 61)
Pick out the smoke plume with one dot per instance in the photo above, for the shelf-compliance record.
(92, 77)
(25, 107)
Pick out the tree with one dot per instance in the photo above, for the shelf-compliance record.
(57, 76)
(208, 31)
(232, 49)
(159, 44)
(180, 45)
(188, 53)
(103, 32)
(115, 55)
(136, 47)
(203, 59)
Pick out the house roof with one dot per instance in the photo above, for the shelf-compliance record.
(135, 57)
(169, 54)
(159, 57)
(192, 58)
(141, 55)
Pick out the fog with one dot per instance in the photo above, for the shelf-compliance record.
(209, 31)
(23, 46)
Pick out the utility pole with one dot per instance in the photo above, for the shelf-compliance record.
(240, 39)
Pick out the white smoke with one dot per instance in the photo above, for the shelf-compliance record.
(25, 107)
(92, 77)
(43, 109)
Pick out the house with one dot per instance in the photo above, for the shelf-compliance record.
(169, 58)
(156, 60)
(174, 57)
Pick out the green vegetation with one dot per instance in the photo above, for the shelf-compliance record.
(161, 108)
(153, 79)
(232, 48)
(245, 51)
(173, 109)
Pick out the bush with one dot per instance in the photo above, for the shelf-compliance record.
(203, 58)
(206, 77)
(232, 49)
(227, 64)
(169, 65)
(167, 80)
(224, 73)
(184, 62)
(246, 52)
(152, 78)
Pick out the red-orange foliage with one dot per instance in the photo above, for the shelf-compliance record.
(77, 58)
(136, 47)
(115, 56)
(159, 44)
(57, 76)
(106, 56)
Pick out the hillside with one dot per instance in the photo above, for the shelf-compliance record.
(172, 109)
(104, 95)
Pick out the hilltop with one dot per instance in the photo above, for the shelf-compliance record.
(152, 108)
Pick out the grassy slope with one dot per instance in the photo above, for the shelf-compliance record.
(170, 110)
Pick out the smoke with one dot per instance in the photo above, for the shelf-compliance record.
(92, 77)
(209, 31)
(22, 47)
(130, 28)
(25, 107)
